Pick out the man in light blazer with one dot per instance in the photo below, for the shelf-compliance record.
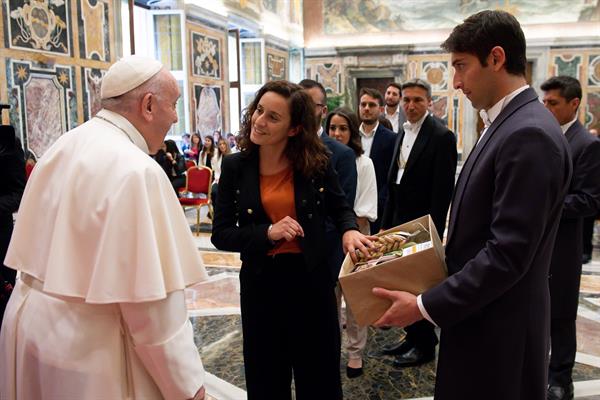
(494, 308)
(378, 144)
(562, 96)
(420, 182)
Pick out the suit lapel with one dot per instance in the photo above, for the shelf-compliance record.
(420, 142)
(572, 131)
(522, 98)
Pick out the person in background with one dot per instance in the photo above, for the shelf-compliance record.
(562, 96)
(173, 163)
(588, 226)
(12, 184)
(208, 151)
(231, 141)
(342, 125)
(99, 309)
(185, 142)
(393, 110)
(195, 147)
(274, 197)
(217, 161)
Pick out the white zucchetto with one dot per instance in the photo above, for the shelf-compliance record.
(127, 74)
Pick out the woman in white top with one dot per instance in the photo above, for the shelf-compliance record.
(208, 151)
(223, 149)
(342, 125)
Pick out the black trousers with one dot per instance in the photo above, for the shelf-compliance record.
(290, 328)
(422, 335)
(563, 345)
(588, 232)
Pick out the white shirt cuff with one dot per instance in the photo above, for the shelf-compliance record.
(424, 311)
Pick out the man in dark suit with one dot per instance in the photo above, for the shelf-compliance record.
(378, 144)
(420, 182)
(343, 161)
(562, 96)
(12, 184)
(494, 308)
(393, 110)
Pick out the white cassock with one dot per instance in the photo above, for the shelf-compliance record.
(105, 253)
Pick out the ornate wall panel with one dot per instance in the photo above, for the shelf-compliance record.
(583, 64)
(328, 72)
(92, 78)
(94, 38)
(277, 64)
(208, 88)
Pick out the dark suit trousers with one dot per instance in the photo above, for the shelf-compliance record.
(588, 233)
(563, 343)
(290, 328)
(422, 335)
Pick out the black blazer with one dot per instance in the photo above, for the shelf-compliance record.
(494, 308)
(583, 200)
(241, 224)
(343, 161)
(381, 154)
(12, 184)
(428, 181)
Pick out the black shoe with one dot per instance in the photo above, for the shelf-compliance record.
(412, 358)
(397, 349)
(560, 392)
(586, 258)
(353, 372)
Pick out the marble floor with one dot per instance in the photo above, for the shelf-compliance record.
(213, 307)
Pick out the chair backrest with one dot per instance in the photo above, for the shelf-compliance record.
(199, 180)
(189, 164)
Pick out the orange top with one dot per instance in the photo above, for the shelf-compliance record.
(277, 195)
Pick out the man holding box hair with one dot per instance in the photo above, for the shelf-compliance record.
(494, 308)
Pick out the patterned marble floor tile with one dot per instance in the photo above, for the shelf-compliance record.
(221, 258)
(588, 337)
(218, 292)
(590, 284)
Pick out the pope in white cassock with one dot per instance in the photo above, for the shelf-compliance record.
(104, 253)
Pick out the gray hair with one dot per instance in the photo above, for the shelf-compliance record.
(418, 83)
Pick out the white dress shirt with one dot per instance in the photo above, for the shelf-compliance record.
(394, 118)
(566, 126)
(488, 118)
(410, 136)
(366, 138)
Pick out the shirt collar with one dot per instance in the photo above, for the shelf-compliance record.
(125, 127)
(395, 112)
(566, 126)
(494, 111)
(320, 131)
(416, 127)
(370, 134)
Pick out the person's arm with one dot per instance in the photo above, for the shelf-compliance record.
(226, 233)
(179, 165)
(583, 200)
(526, 184)
(365, 204)
(164, 341)
(13, 169)
(442, 183)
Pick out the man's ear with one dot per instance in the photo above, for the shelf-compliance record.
(497, 58)
(147, 105)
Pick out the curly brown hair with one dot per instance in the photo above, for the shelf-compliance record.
(305, 150)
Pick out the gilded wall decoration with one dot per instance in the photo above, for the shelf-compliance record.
(94, 38)
(92, 78)
(206, 55)
(277, 64)
(45, 100)
(594, 70)
(42, 25)
(330, 76)
(436, 73)
(207, 110)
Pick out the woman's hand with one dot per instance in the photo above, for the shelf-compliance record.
(353, 240)
(287, 228)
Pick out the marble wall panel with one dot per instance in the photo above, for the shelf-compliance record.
(207, 109)
(38, 25)
(326, 72)
(94, 38)
(92, 78)
(206, 55)
(436, 73)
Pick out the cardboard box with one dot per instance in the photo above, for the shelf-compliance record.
(414, 273)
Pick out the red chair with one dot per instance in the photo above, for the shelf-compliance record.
(196, 195)
(188, 164)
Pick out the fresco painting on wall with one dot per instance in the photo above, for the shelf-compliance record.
(207, 109)
(276, 65)
(39, 25)
(206, 56)
(350, 16)
(94, 38)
